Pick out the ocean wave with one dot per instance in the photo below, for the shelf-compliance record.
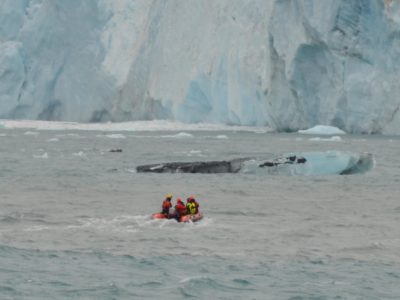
(122, 224)
(86, 274)
(132, 224)
(197, 283)
(191, 153)
(15, 217)
(5, 289)
(241, 213)
(37, 228)
(9, 219)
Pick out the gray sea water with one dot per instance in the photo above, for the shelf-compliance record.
(75, 220)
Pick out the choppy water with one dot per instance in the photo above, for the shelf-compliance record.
(74, 219)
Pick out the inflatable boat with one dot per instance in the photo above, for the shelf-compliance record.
(186, 218)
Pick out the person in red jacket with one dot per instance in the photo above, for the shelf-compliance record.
(166, 205)
(180, 209)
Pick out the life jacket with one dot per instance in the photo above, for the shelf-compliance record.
(180, 208)
(166, 204)
(191, 207)
(196, 205)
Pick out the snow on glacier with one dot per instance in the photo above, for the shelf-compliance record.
(289, 65)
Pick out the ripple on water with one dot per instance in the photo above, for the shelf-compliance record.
(83, 274)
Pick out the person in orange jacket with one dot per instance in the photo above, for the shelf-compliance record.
(166, 205)
(180, 209)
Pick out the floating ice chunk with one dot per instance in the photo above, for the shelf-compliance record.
(316, 163)
(307, 163)
(331, 162)
(53, 140)
(195, 152)
(180, 135)
(262, 131)
(116, 136)
(73, 134)
(194, 278)
(336, 138)
(33, 133)
(332, 139)
(43, 156)
(113, 136)
(322, 130)
(80, 154)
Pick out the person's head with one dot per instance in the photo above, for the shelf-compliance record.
(191, 198)
(179, 200)
(168, 197)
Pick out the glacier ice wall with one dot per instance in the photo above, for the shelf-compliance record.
(287, 64)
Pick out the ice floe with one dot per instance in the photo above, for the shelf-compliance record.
(322, 130)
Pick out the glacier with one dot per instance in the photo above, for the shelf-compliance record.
(285, 64)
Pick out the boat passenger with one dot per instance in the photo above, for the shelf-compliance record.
(166, 205)
(192, 205)
(180, 209)
(188, 205)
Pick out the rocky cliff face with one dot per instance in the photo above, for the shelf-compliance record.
(288, 64)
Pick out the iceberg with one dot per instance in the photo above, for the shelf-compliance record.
(300, 164)
(322, 130)
(205, 167)
(322, 163)
(287, 65)
(331, 139)
(180, 135)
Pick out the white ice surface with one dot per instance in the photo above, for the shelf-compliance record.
(287, 65)
(323, 130)
(126, 126)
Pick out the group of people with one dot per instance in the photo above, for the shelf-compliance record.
(191, 207)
